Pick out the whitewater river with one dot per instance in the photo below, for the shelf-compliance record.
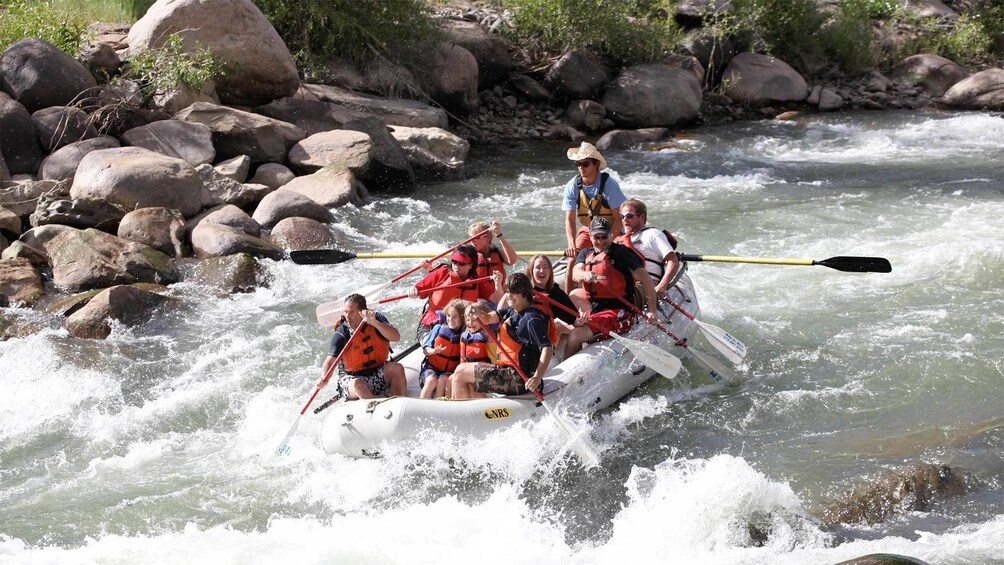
(154, 446)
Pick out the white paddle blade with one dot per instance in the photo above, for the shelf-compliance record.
(714, 368)
(578, 442)
(662, 362)
(724, 342)
(329, 313)
(283, 448)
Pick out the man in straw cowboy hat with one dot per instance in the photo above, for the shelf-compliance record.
(590, 194)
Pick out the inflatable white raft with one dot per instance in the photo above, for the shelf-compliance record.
(593, 379)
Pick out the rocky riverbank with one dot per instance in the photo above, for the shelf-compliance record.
(102, 184)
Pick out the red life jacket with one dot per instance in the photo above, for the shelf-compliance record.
(474, 348)
(448, 360)
(611, 283)
(487, 266)
(368, 350)
(440, 298)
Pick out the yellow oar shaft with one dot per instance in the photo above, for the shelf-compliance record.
(760, 260)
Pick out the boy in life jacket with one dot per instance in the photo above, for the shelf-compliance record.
(442, 351)
(366, 370)
(523, 335)
(491, 258)
(607, 272)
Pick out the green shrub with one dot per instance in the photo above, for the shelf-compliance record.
(627, 31)
(319, 30)
(167, 67)
(25, 18)
(848, 38)
(787, 29)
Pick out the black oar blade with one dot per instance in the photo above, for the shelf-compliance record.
(320, 256)
(857, 264)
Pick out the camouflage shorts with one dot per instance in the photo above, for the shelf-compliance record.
(498, 379)
(377, 384)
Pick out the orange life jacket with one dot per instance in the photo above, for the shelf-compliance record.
(448, 360)
(440, 298)
(545, 308)
(611, 283)
(368, 350)
(487, 266)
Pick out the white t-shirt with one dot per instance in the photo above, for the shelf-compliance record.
(654, 245)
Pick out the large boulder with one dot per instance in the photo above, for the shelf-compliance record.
(86, 259)
(160, 228)
(62, 165)
(272, 175)
(39, 238)
(331, 187)
(133, 177)
(934, 73)
(434, 153)
(286, 204)
(190, 141)
(577, 75)
(450, 74)
(236, 132)
(981, 91)
(227, 215)
(57, 207)
(754, 79)
(217, 240)
(340, 148)
(260, 67)
(59, 126)
(652, 96)
(493, 60)
(18, 142)
(393, 112)
(301, 233)
(239, 272)
(125, 304)
(19, 282)
(236, 168)
(39, 75)
(225, 190)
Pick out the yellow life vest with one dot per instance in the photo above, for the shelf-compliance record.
(596, 206)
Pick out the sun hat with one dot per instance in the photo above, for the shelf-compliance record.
(599, 225)
(586, 151)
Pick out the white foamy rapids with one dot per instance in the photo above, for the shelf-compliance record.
(682, 511)
(967, 136)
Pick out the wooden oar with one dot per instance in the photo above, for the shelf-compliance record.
(578, 442)
(662, 362)
(714, 368)
(330, 312)
(723, 341)
(283, 448)
(335, 256)
(848, 264)
(372, 291)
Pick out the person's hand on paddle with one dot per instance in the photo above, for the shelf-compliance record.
(413, 292)
(533, 383)
(497, 279)
(651, 317)
(496, 228)
(427, 265)
(571, 253)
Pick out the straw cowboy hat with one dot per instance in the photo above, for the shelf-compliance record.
(587, 151)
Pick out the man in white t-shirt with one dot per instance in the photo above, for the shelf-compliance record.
(661, 260)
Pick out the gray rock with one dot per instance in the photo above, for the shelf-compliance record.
(577, 74)
(19, 282)
(10, 223)
(285, 204)
(236, 168)
(38, 75)
(340, 148)
(493, 60)
(754, 79)
(229, 274)
(652, 96)
(235, 132)
(18, 142)
(62, 165)
(261, 67)
(59, 126)
(227, 215)
(434, 153)
(160, 228)
(934, 73)
(585, 114)
(132, 177)
(301, 233)
(125, 304)
(981, 91)
(528, 87)
(87, 259)
(272, 175)
(331, 187)
(392, 112)
(625, 139)
(225, 190)
(189, 141)
(450, 74)
(217, 240)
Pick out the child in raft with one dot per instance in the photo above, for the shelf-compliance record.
(442, 351)
(474, 344)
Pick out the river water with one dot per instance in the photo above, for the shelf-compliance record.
(155, 445)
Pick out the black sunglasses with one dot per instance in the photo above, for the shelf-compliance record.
(630, 215)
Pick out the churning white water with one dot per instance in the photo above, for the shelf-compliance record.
(155, 445)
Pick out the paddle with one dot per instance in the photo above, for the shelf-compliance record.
(579, 443)
(666, 364)
(722, 340)
(370, 292)
(333, 314)
(848, 264)
(715, 369)
(335, 256)
(283, 448)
